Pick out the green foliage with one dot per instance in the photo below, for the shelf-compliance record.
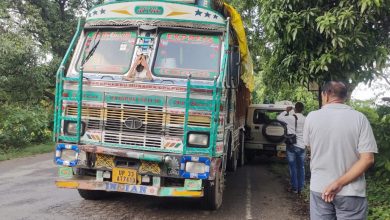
(379, 177)
(294, 93)
(378, 198)
(34, 36)
(22, 77)
(322, 40)
(379, 118)
(22, 125)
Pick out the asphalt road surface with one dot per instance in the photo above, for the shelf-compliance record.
(27, 191)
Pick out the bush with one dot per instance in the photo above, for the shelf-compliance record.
(379, 177)
(379, 118)
(22, 125)
(378, 199)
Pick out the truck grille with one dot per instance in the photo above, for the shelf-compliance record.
(157, 123)
(152, 118)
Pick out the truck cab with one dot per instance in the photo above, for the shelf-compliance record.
(264, 134)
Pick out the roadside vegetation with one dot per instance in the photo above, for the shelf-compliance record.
(293, 43)
(27, 151)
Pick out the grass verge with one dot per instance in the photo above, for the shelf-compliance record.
(27, 151)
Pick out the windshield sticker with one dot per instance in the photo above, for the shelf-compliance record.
(123, 47)
(191, 38)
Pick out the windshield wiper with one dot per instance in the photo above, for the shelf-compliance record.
(93, 49)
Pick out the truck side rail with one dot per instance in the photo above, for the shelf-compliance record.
(59, 82)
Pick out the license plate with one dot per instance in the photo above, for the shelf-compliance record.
(123, 175)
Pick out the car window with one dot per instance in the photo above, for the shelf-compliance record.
(259, 117)
(262, 116)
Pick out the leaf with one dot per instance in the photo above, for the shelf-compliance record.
(359, 42)
(334, 42)
(363, 7)
(326, 68)
(294, 34)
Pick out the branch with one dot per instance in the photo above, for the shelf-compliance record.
(49, 95)
(385, 78)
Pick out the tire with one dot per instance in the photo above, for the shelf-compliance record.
(213, 192)
(232, 161)
(273, 138)
(249, 156)
(241, 155)
(93, 194)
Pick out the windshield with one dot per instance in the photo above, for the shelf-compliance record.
(179, 55)
(112, 53)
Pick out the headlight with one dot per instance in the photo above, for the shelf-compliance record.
(198, 140)
(68, 155)
(70, 128)
(195, 167)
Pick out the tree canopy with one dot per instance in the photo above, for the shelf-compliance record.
(34, 36)
(323, 40)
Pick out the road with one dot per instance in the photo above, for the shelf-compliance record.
(27, 191)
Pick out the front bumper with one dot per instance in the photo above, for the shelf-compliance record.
(125, 188)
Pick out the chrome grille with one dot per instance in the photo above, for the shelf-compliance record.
(156, 123)
(132, 139)
(148, 135)
(152, 118)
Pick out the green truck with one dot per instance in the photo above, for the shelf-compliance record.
(151, 98)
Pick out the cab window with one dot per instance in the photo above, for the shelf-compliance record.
(179, 55)
(107, 52)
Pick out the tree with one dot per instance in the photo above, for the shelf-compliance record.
(22, 72)
(325, 40)
(35, 35)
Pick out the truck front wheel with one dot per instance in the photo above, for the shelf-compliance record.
(213, 192)
(241, 155)
(93, 194)
(232, 161)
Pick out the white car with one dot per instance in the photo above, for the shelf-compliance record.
(263, 133)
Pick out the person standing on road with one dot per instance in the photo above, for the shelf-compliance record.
(295, 151)
(342, 147)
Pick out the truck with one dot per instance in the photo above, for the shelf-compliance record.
(151, 98)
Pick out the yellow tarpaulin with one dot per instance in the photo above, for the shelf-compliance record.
(246, 59)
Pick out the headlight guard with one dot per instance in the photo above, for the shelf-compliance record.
(59, 154)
